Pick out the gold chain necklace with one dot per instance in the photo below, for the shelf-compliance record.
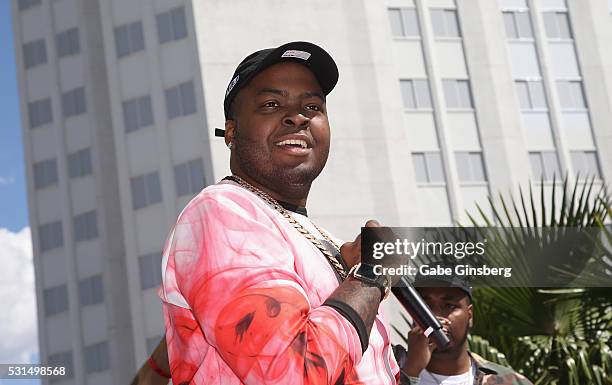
(297, 225)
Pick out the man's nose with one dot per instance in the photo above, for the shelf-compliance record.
(296, 118)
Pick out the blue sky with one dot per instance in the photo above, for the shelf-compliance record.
(13, 200)
(13, 208)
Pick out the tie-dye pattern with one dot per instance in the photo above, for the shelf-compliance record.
(242, 293)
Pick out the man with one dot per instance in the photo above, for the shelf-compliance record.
(450, 299)
(253, 291)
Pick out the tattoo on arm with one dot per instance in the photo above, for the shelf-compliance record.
(364, 299)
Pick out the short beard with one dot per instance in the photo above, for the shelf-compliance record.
(456, 349)
(289, 182)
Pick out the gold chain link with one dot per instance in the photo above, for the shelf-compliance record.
(297, 225)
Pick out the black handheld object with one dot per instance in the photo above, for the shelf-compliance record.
(420, 312)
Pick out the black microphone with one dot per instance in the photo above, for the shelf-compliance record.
(412, 301)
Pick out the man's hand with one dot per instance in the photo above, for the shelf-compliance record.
(420, 349)
(351, 251)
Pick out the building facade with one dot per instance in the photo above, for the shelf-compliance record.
(440, 104)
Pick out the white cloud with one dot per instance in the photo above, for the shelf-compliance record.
(18, 334)
(6, 180)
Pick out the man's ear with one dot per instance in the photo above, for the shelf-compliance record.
(230, 127)
(470, 310)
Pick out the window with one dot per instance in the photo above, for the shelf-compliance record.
(171, 25)
(40, 113)
(68, 43)
(457, 93)
(445, 23)
(531, 94)
(45, 173)
(73, 102)
(56, 299)
(25, 4)
(129, 39)
(96, 357)
(150, 270)
(404, 22)
(415, 93)
(137, 113)
(91, 290)
(470, 167)
(518, 25)
(189, 177)
(180, 100)
(146, 190)
(61, 359)
(428, 167)
(544, 165)
(152, 343)
(79, 163)
(557, 25)
(85, 226)
(34, 53)
(585, 164)
(571, 95)
(50, 236)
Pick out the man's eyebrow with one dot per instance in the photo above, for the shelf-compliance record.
(268, 90)
(304, 95)
(313, 95)
(450, 297)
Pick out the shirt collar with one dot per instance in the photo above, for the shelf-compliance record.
(481, 364)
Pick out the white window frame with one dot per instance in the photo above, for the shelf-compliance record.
(458, 94)
(142, 110)
(411, 86)
(404, 13)
(557, 173)
(80, 163)
(474, 161)
(55, 300)
(531, 84)
(91, 290)
(40, 112)
(172, 17)
(67, 42)
(34, 53)
(148, 182)
(557, 31)
(517, 26)
(446, 33)
(133, 34)
(428, 158)
(85, 226)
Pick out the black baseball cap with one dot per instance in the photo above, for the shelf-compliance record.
(444, 280)
(311, 55)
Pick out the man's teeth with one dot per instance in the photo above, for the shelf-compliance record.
(301, 143)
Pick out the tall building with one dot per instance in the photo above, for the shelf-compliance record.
(440, 104)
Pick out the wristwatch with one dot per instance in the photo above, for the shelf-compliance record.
(365, 273)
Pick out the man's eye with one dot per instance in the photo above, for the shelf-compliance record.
(451, 306)
(270, 104)
(313, 107)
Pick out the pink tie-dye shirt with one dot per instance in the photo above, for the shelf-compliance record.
(242, 297)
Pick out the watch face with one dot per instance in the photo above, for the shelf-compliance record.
(367, 273)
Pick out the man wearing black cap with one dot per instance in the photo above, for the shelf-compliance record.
(450, 299)
(253, 291)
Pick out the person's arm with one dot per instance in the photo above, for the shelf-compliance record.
(251, 305)
(147, 375)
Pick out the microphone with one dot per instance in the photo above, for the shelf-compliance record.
(412, 301)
